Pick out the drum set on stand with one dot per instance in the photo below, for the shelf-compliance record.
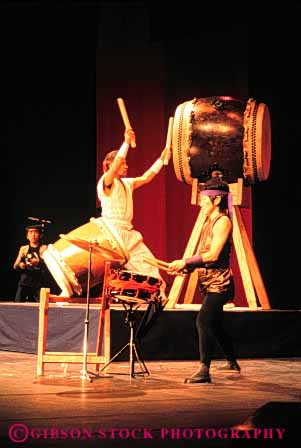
(79, 260)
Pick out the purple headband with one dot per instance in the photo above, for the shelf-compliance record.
(220, 193)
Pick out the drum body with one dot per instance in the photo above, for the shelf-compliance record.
(69, 263)
(129, 286)
(223, 134)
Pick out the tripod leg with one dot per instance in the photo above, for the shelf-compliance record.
(115, 356)
(144, 369)
(132, 361)
(133, 352)
(85, 375)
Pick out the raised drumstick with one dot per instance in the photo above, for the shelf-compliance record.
(168, 141)
(125, 117)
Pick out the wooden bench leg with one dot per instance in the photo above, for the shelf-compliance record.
(42, 329)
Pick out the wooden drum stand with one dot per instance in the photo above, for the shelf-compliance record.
(249, 270)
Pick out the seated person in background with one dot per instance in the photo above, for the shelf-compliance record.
(30, 264)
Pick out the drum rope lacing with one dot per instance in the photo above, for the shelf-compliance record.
(180, 130)
(253, 142)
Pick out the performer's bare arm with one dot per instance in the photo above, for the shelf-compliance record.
(152, 172)
(19, 264)
(221, 231)
(120, 159)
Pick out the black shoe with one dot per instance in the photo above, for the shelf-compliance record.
(231, 366)
(202, 376)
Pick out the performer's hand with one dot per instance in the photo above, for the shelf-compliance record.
(34, 261)
(165, 155)
(176, 267)
(22, 265)
(129, 136)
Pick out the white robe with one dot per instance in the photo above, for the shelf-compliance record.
(117, 211)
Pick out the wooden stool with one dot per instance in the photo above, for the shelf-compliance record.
(102, 353)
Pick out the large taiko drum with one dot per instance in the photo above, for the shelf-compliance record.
(223, 134)
(68, 259)
(133, 287)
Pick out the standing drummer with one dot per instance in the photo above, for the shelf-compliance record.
(215, 276)
(115, 192)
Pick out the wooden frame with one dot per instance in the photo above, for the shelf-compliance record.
(249, 270)
(102, 353)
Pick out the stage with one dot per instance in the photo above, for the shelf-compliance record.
(155, 410)
(258, 407)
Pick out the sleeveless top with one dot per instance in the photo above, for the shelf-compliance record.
(217, 276)
(33, 252)
(117, 207)
(205, 244)
(32, 275)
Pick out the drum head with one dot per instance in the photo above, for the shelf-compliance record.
(222, 134)
(257, 142)
(130, 299)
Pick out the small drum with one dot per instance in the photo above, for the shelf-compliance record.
(223, 134)
(68, 258)
(128, 286)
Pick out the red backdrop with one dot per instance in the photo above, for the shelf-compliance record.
(162, 209)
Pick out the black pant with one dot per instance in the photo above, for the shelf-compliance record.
(27, 293)
(210, 328)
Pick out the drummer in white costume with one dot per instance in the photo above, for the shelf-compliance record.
(115, 192)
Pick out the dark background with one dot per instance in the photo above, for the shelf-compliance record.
(48, 113)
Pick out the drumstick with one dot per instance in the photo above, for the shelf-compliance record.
(160, 264)
(168, 141)
(125, 117)
(156, 262)
(163, 263)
